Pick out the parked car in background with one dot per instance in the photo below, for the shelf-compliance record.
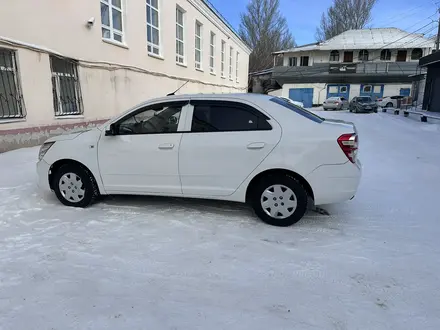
(335, 103)
(249, 148)
(362, 104)
(300, 104)
(389, 101)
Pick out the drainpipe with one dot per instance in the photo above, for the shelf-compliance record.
(319, 95)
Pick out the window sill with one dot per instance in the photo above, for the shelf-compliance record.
(201, 70)
(182, 64)
(213, 73)
(159, 57)
(223, 77)
(70, 117)
(115, 43)
(11, 120)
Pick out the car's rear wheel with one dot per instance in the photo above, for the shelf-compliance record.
(280, 200)
(389, 105)
(74, 186)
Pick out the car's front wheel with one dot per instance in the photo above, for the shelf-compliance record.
(280, 200)
(74, 186)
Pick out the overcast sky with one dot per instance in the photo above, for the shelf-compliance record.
(303, 15)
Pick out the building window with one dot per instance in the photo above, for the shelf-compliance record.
(363, 55)
(230, 62)
(236, 65)
(304, 61)
(377, 89)
(334, 56)
(212, 53)
(11, 100)
(367, 89)
(111, 20)
(401, 56)
(180, 43)
(343, 89)
(292, 61)
(153, 30)
(65, 87)
(385, 55)
(416, 54)
(222, 69)
(198, 45)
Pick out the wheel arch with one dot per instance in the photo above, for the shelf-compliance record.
(61, 162)
(279, 171)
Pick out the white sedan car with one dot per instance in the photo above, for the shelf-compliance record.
(248, 148)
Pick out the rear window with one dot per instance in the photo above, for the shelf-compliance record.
(364, 99)
(301, 111)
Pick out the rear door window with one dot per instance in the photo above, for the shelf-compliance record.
(301, 111)
(220, 116)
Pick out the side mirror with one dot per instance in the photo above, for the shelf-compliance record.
(112, 130)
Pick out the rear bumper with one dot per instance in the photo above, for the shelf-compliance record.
(331, 106)
(335, 183)
(43, 175)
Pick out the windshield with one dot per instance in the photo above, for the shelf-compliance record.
(301, 111)
(364, 99)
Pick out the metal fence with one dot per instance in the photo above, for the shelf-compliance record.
(11, 98)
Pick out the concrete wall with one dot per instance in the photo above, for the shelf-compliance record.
(113, 76)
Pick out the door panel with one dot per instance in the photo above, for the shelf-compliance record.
(228, 140)
(144, 163)
(142, 155)
(304, 95)
(216, 163)
(348, 57)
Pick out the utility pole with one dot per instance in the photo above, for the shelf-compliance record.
(437, 43)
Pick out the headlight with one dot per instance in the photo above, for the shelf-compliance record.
(44, 148)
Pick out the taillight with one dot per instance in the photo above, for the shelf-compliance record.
(379, 100)
(349, 145)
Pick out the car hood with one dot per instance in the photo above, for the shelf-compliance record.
(69, 136)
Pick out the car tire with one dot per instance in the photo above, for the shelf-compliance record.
(389, 105)
(283, 192)
(75, 186)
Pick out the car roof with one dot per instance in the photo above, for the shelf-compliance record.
(252, 97)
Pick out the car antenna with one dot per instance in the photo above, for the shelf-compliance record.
(178, 89)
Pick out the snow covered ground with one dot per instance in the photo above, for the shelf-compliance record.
(158, 263)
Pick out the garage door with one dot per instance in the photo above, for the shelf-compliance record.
(304, 95)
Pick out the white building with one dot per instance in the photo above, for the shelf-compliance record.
(370, 62)
(65, 64)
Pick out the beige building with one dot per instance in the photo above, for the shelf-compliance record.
(69, 64)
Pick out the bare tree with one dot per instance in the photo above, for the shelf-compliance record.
(344, 15)
(265, 30)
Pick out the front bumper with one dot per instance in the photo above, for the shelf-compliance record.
(43, 175)
(335, 183)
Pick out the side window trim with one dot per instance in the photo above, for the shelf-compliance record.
(181, 126)
(246, 107)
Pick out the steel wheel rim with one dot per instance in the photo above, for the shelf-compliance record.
(72, 187)
(278, 201)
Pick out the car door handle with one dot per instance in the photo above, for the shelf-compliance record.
(256, 145)
(166, 146)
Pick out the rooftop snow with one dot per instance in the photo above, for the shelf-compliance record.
(390, 38)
